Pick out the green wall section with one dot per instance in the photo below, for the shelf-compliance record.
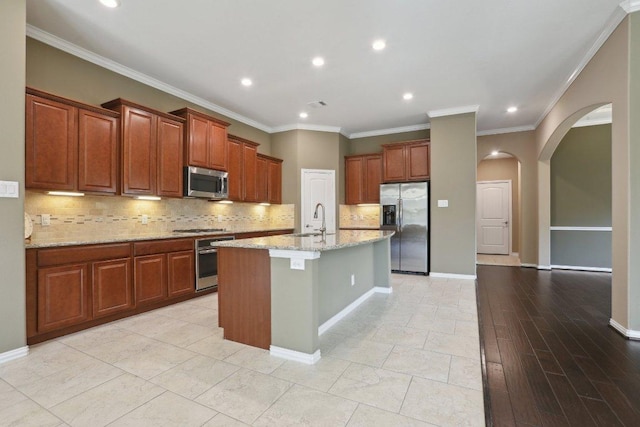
(581, 197)
(634, 159)
(12, 70)
(581, 178)
(453, 178)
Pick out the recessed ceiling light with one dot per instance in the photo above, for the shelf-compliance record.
(110, 3)
(246, 82)
(303, 115)
(512, 109)
(318, 61)
(495, 152)
(379, 45)
(407, 96)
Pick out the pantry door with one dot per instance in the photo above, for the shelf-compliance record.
(318, 186)
(493, 215)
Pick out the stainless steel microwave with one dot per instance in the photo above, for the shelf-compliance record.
(205, 183)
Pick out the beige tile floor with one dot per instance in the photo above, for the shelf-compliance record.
(507, 260)
(406, 359)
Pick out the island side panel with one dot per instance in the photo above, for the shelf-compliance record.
(382, 263)
(294, 305)
(336, 268)
(244, 295)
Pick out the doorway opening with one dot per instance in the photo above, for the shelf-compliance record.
(498, 220)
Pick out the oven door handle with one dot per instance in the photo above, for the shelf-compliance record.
(208, 251)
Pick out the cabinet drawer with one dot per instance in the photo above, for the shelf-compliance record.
(162, 246)
(78, 254)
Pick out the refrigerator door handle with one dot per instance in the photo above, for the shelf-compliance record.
(399, 221)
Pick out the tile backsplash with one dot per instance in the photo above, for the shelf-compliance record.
(73, 217)
(359, 216)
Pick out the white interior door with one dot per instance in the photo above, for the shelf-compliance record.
(318, 186)
(493, 215)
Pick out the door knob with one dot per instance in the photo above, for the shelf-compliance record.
(506, 223)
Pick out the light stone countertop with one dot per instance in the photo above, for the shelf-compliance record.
(298, 242)
(92, 240)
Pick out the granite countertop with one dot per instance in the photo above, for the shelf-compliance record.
(91, 240)
(300, 242)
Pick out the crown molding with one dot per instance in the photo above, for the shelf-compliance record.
(453, 111)
(301, 126)
(389, 131)
(506, 130)
(87, 55)
(612, 24)
(630, 6)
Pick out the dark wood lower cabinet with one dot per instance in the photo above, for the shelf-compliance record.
(181, 274)
(63, 296)
(150, 278)
(111, 287)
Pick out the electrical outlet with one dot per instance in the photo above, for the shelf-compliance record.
(145, 219)
(219, 218)
(353, 280)
(45, 220)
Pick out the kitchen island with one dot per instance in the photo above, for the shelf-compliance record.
(281, 292)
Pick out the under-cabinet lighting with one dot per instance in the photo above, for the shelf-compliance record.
(155, 198)
(65, 193)
(226, 202)
(364, 205)
(265, 204)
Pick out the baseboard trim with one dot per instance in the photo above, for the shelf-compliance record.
(515, 254)
(348, 309)
(453, 276)
(629, 333)
(579, 268)
(543, 267)
(528, 265)
(296, 356)
(14, 354)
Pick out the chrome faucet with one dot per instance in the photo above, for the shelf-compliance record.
(323, 228)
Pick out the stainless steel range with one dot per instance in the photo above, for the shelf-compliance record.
(207, 262)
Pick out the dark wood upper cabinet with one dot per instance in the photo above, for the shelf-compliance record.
(363, 176)
(406, 161)
(205, 138)
(169, 158)
(250, 173)
(269, 179)
(243, 170)
(150, 140)
(97, 152)
(236, 170)
(69, 145)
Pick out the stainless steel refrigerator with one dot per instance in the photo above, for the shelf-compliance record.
(404, 208)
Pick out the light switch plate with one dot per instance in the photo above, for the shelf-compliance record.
(297, 263)
(9, 189)
(443, 203)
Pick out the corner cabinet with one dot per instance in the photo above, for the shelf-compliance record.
(69, 145)
(151, 150)
(406, 161)
(363, 176)
(205, 139)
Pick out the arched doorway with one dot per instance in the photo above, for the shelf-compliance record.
(498, 212)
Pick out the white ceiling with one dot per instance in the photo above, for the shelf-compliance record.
(449, 54)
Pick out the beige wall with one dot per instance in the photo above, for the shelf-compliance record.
(304, 149)
(604, 80)
(505, 169)
(634, 159)
(453, 177)
(58, 72)
(12, 70)
(522, 146)
(373, 144)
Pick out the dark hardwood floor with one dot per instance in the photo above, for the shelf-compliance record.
(551, 359)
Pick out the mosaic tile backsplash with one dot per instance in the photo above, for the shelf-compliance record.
(359, 216)
(79, 217)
